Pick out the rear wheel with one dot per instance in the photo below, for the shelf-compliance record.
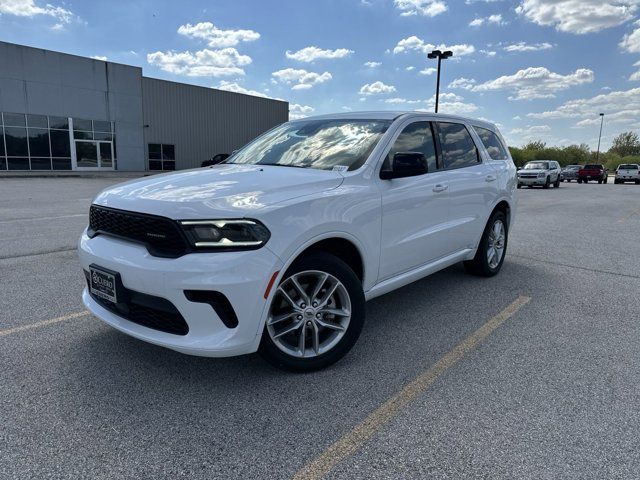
(600, 182)
(316, 314)
(492, 248)
(606, 179)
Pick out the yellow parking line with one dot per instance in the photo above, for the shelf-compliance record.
(627, 217)
(352, 441)
(43, 323)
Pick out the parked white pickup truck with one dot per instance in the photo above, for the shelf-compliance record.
(628, 172)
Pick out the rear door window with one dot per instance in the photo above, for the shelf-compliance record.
(492, 143)
(458, 148)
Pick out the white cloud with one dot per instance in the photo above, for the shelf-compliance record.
(428, 71)
(456, 107)
(427, 8)
(410, 68)
(403, 101)
(578, 16)
(372, 64)
(417, 44)
(29, 8)
(490, 20)
(535, 82)
(531, 129)
(297, 111)
(99, 57)
(489, 53)
(237, 88)
(216, 37)
(527, 47)
(631, 42)
(301, 79)
(376, 88)
(310, 54)
(463, 83)
(619, 107)
(203, 63)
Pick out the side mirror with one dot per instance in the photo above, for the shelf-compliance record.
(406, 164)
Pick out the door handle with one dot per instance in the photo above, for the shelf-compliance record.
(490, 178)
(440, 188)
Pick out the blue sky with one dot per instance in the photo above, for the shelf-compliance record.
(541, 69)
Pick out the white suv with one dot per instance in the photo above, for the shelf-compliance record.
(540, 172)
(277, 249)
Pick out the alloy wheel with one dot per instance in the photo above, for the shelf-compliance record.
(495, 245)
(310, 314)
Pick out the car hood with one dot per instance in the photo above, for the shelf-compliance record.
(532, 170)
(220, 191)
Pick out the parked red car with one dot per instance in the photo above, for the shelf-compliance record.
(592, 172)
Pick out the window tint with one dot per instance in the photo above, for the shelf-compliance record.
(416, 137)
(39, 142)
(39, 121)
(458, 149)
(16, 140)
(492, 143)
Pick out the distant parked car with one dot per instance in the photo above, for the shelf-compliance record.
(216, 159)
(540, 172)
(592, 171)
(628, 172)
(570, 172)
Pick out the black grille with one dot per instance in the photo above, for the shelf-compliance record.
(146, 310)
(162, 236)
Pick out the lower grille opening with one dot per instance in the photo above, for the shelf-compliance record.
(147, 310)
(218, 302)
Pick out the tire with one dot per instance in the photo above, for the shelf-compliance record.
(480, 264)
(637, 182)
(547, 183)
(519, 185)
(600, 182)
(616, 181)
(579, 180)
(285, 352)
(557, 184)
(606, 179)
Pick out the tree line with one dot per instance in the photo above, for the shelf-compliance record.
(624, 149)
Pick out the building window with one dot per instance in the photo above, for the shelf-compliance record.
(162, 156)
(41, 142)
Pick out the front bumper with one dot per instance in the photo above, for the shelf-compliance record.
(627, 178)
(240, 276)
(532, 181)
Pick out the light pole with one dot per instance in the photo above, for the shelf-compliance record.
(440, 56)
(600, 136)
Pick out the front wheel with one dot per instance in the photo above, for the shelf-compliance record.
(316, 314)
(519, 185)
(547, 183)
(557, 184)
(492, 248)
(606, 179)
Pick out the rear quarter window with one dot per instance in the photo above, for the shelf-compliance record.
(492, 143)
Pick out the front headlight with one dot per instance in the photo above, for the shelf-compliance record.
(225, 234)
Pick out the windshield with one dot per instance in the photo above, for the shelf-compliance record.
(537, 166)
(592, 167)
(574, 167)
(320, 144)
(628, 167)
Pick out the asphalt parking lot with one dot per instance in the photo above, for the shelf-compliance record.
(450, 379)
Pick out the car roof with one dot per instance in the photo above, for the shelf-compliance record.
(394, 114)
